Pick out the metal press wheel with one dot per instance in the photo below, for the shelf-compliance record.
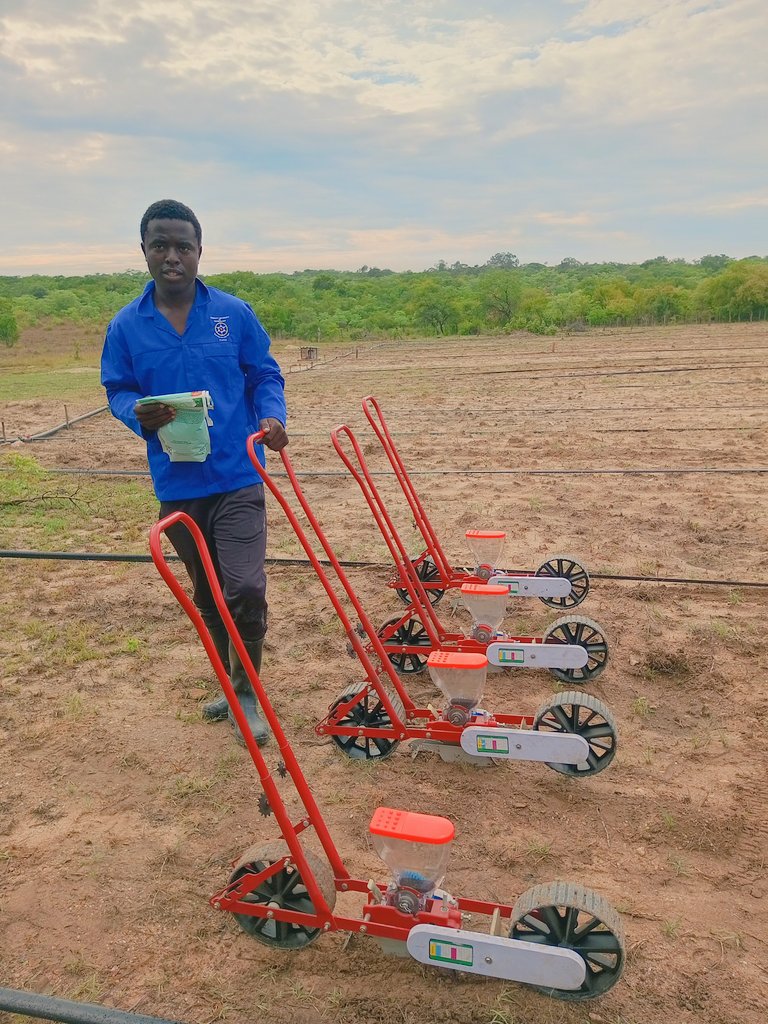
(413, 634)
(367, 713)
(565, 565)
(583, 632)
(569, 916)
(286, 888)
(427, 572)
(586, 716)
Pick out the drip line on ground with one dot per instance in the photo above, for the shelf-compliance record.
(559, 375)
(725, 471)
(84, 556)
(34, 1004)
(566, 410)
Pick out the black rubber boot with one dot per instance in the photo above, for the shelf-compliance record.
(242, 687)
(217, 710)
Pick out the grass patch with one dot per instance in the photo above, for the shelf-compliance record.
(80, 382)
(667, 663)
(538, 851)
(641, 707)
(187, 788)
(671, 929)
(50, 512)
(73, 707)
(669, 821)
(723, 631)
(678, 865)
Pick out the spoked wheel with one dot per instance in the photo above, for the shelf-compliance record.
(579, 630)
(367, 713)
(287, 890)
(413, 634)
(572, 917)
(427, 572)
(564, 565)
(586, 716)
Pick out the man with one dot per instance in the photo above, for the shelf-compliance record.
(181, 335)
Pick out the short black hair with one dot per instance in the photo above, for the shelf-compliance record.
(170, 209)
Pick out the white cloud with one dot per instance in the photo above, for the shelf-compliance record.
(81, 154)
(564, 219)
(312, 131)
(726, 204)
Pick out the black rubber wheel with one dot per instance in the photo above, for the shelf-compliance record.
(564, 565)
(579, 630)
(427, 572)
(586, 716)
(286, 888)
(371, 713)
(572, 917)
(413, 634)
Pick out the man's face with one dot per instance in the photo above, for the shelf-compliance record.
(172, 253)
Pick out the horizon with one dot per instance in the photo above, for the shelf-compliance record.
(367, 269)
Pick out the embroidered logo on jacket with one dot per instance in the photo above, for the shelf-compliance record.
(220, 326)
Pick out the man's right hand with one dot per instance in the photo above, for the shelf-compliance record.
(153, 415)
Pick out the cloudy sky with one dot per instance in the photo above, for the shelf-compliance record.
(393, 133)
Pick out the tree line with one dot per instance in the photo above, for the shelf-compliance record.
(499, 296)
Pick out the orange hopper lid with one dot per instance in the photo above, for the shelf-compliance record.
(485, 534)
(456, 659)
(484, 589)
(408, 825)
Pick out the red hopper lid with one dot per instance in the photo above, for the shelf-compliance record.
(408, 825)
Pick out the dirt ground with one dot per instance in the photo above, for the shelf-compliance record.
(121, 810)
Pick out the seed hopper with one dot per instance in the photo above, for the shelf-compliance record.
(560, 938)
(573, 733)
(573, 648)
(560, 582)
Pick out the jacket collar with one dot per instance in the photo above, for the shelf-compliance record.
(146, 306)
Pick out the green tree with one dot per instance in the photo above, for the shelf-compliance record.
(434, 307)
(9, 328)
(503, 261)
(740, 292)
(533, 312)
(714, 263)
(500, 296)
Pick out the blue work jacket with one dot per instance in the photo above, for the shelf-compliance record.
(224, 350)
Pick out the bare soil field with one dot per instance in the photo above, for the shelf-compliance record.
(121, 810)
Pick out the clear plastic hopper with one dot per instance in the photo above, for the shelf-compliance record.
(486, 547)
(415, 848)
(487, 604)
(460, 677)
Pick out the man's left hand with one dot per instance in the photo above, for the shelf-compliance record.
(275, 437)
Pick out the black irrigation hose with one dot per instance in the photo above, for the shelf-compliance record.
(52, 1008)
(557, 374)
(46, 434)
(73, 556)
(733, 471)
(85, 556)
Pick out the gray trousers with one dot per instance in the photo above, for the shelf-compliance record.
(235, 529)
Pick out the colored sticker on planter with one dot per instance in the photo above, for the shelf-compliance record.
(489, 744)
(451, 952)
(511, 656)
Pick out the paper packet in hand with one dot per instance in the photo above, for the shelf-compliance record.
(185, 438)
